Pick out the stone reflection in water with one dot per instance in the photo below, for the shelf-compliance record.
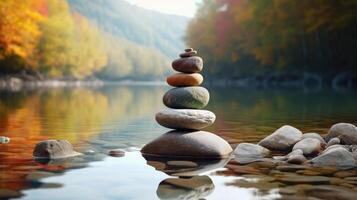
(184, 167)
(197, 187)
(188, 182)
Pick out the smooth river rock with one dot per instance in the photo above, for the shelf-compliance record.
(309, 146)
(333, 141)
(186, 97)
(192, 144)
(185, 118)
(347, 133)
(182, 80)
(282, 139)
(337, 157)
(251, 151)
(191, 64)
(54, 149)
(313, 135)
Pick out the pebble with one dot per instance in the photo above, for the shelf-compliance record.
(333, 141)
(185, 118)
(283, 139)
(251, 151)
(309, 146)
(188, 49)
(191, 64)
(4, 140)
(338, 157)
(182, 79)
(194, 97)
(116, 153)
(313, 135)
(347, 133)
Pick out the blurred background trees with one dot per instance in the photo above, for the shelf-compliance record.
(77, 39)
(248, 37)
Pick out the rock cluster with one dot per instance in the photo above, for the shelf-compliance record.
(337, 149)
(184, 114)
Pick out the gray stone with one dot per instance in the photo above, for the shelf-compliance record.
(286, 157)
(335, 146)
(54, 149)
(188, 49)
(194, 144)
(347, 133)
(191, 64)
(313, 135)
(309, 146)
(333, 141)
(282, 139)
(337, 157)
(187, 97)
(4, 140)
(251, 151)
(296, 159)
(185, 118)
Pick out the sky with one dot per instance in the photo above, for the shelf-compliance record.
(177, 7)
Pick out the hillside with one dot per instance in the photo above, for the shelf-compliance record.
(145, 27)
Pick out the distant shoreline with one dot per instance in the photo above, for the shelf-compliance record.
(18, 82)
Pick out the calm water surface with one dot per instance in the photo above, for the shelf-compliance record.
(123, 117)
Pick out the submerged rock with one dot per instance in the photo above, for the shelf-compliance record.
(309, 146)
(347, 133)
(186, 97)
(185, 118)
(54, 149)
(338, 157)
(282, 139)
(194, 144)
(197, 187)
(251, 151)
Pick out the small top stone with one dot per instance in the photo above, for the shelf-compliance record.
(188, 50)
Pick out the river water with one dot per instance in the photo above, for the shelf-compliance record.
(96, 120)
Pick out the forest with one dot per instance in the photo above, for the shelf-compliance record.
(242, 38)
(50, 39)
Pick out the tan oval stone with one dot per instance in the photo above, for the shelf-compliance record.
(182, 79)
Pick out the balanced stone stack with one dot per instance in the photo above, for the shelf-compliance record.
(185, 115)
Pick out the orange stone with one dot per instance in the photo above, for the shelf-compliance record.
(182, 79)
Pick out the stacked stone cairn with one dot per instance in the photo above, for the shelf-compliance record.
(185, 115)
